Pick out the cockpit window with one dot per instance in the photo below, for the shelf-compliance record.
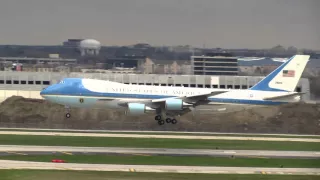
(69, 81)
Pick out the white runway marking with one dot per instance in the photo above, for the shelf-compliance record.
(159, 136)
(164, 132)
(162, 151)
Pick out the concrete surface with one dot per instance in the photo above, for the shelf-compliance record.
(159, 136)
(152, 132)
(12, 149)
(7, 164)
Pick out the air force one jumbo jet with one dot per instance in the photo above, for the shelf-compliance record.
(167, 102)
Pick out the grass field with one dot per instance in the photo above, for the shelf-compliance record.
(175, 133)
(85, 175)
(155, 143)
(169, 160)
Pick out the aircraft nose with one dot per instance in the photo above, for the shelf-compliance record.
(43, 92)
(50, 90)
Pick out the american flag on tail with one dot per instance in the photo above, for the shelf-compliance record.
(288, 73)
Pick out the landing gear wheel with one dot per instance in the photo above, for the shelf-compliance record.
(161, 122)
(157, 118)
(174, 121)
(68, 115)
(168, 120)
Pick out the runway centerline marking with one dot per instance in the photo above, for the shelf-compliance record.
(67, 153)
(10, 152)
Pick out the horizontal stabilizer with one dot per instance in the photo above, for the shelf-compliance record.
(283, 96)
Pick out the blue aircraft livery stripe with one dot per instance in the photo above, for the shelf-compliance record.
(146, 96)
(112, 95)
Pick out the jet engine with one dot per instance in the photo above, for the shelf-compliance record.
(137, 109)
(175, 104)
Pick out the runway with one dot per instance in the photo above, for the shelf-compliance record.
(28, 150)
(198, 137)
(70, 150)
(7, 164)
(152, 132)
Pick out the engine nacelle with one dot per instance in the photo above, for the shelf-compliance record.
(174, 104)
(137, 109)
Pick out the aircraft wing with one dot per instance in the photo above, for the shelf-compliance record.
(187, 99)
(283, 96)
(191, 99)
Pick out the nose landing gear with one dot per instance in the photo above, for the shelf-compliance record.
(68, 115)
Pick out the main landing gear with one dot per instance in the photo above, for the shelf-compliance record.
(168, 120)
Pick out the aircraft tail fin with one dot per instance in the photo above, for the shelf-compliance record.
(285, 77)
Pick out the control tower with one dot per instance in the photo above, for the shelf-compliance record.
(90, 47)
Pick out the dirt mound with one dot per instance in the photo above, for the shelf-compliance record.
(293, 118)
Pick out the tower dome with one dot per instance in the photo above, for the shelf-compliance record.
(90, 47)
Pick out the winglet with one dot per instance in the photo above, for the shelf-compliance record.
(285, 77)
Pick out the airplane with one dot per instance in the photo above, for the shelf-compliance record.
(168, 102)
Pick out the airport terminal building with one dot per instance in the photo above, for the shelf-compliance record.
(36, 81)
(215, 64)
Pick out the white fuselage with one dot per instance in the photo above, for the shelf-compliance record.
(107, 94)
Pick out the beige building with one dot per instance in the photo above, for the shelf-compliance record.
(167, 67)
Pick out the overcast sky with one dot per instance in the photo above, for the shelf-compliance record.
(223, 23)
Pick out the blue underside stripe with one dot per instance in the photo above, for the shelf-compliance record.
(146, 96)
(245, 101)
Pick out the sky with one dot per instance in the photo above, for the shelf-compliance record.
(210, 23)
